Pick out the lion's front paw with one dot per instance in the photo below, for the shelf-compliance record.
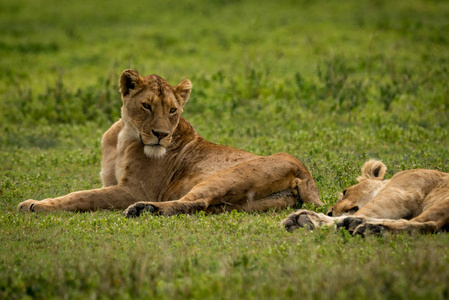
(136, 209)
(358, 226)
(297, 220)
(349, 223)
(369, 228)
(27, 206)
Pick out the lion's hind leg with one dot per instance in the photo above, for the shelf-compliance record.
(254, 185)
(307, 191)
(281, 200)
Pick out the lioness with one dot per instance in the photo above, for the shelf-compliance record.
(153, 160)
(412, 200)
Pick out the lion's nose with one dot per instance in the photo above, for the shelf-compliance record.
(159, 134)
(329, 213)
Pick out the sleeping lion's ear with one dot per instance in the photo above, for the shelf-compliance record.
(129, 80)
(373, 169)
(183, 90)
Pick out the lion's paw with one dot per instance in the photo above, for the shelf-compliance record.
(369, 229)
(359, 226)
(136, 209)
(27, 206)
(350, 223)
(297, 220)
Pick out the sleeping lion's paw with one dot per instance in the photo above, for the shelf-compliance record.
(350, 223)
(369, 229)
(136, 209)
(27, 206)
(359, 226)
(297, 220)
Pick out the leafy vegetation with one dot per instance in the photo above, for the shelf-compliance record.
(333, 83)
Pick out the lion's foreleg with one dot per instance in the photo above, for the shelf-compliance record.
(168, 208)
(109, 154)
(251, 180)
(378, 226)
(115, 197)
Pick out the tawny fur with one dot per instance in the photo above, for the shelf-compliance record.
(412, 200)
(153, 159)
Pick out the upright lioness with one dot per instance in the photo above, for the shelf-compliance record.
(154, 160)
(412, 200)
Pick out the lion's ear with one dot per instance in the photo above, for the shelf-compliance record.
(183, 90)
(130, 80)
(373, 169)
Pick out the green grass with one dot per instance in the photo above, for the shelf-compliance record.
(332, 82)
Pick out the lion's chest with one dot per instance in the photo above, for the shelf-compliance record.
(176, 173)
(153, 179)
(119, 170)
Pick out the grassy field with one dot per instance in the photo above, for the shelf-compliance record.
(332, 82)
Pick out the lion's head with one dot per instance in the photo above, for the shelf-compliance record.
(152, 108)
(356, 196)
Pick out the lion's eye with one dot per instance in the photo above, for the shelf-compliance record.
(344, 192)
(173, 110)
(146, 106)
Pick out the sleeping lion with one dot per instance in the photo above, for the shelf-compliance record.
(412, 200)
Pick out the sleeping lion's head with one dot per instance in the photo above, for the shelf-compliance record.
(152, 108)
(356, 196)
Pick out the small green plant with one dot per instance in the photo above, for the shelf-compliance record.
(333, 74)
(388, 94)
